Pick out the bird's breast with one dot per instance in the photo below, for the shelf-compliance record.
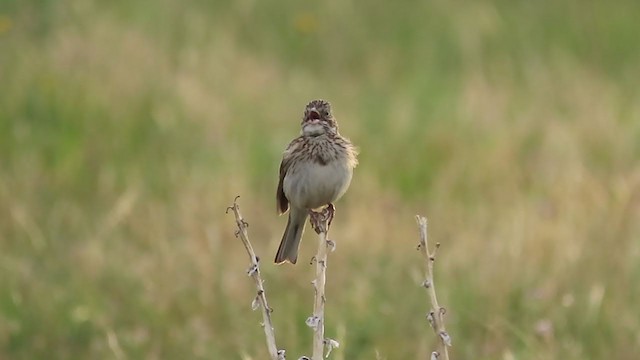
(312, 184)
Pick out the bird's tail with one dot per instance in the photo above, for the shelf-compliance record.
(288, 250)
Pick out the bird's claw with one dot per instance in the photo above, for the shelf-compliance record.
(321, 221)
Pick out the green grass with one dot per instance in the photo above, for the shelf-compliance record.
(127, 127)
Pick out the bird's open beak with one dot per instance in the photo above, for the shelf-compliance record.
(313, 114)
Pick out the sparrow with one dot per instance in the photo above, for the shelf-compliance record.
(315, 171)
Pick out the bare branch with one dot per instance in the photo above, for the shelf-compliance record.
(321, 223)
(436, 313)
(260, 301)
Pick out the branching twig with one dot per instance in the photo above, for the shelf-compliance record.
(436, 313)
(254, 271)
(320, 223)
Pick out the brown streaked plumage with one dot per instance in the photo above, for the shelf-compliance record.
(315, 171)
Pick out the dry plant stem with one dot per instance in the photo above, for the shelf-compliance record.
(320, 224)
(318, 304)
(436, 314)
(254, 272)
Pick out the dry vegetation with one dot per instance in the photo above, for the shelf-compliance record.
(126, 127)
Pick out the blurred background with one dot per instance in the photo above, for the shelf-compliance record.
(127, 128)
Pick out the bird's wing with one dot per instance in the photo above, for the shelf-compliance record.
(285, 164)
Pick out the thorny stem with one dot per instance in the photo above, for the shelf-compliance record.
(254, 272)
(436, 313)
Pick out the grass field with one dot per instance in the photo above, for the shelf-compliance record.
(127, 128)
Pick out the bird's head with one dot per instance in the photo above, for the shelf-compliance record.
(318, 119)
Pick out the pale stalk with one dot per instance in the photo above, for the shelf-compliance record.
(318, 304)
(321, 223)
(436, 313)
(254, 271)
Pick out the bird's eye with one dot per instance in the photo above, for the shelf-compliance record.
(326, 113)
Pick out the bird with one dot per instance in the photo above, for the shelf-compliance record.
(315, 171)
